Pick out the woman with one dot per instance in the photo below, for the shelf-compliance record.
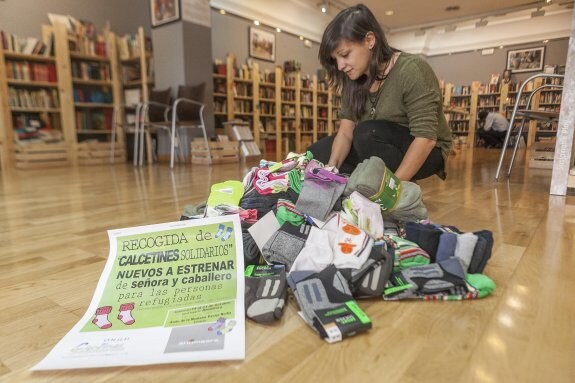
(391, 102)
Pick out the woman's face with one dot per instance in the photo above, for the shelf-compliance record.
(352, 57)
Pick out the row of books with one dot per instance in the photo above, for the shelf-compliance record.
(129, 46)
(89, 47)
(30, 71)
(26, 45)
(93, 120)
(33, 99)
(93, 95)
(90, 70)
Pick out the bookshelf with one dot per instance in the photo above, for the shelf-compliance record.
(90, 91)
(287, 111)
(32, 135)
(462, 103)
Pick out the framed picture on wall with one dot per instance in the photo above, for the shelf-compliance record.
(262, 44)
(525, 60)
(164, 12)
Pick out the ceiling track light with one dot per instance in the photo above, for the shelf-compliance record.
(324, 7)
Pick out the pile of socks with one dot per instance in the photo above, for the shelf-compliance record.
(332, 240)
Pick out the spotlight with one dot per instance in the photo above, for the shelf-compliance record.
(278, 30)
(222, 11)
(256, 22)
(324, 7)
(301, 38)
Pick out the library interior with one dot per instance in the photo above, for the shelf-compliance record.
(344, 191)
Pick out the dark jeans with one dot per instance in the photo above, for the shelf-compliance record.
(491, 137)
(379, 138)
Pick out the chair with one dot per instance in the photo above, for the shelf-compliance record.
(188, 113)
(151, 116)
(527, 114)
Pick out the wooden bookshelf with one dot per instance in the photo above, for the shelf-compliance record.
(31, 133)
(91, 92)
(288, 111)
(462, 103)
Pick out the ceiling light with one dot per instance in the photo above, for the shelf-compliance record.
(538, 12)
(256, 22)
(301, 38)
(501, 47)
(222, 11)
(389, 13)
(324, 7)
(278, 30)
(545, 41)
(548, 1)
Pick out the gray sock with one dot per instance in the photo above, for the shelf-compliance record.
(285, 244)
(464, 248)
(323, 290)
(266, 292)
(317, 198)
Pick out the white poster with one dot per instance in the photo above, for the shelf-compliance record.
(197, 12)
(169, 293)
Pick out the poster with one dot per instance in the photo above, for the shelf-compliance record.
(169, 293)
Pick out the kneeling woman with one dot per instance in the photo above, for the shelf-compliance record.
(392, 105)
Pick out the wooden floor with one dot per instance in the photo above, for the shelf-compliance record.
(54, 245)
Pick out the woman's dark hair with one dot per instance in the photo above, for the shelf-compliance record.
(482, 114)
(353, 24)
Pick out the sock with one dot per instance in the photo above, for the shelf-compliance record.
(324, 290)
(125, 314)
(267, 182)
(285, 244)
(286, 212)
(464, 249)
(444, 277)
(482, 251)
(407, 254)
(425, 236)
(368, 215)
(317, 198)
(409, 206)
(295, 180)
(228, 192)
(351, 246)
(446, 246)
(101, 319)
(219, 323)
(481, 283)
(369, 281)
(317, 254)
(251, 250)
(266, 292)
(228, 234)
(229, 326)
(220, 231)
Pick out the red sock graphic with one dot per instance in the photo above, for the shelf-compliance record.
(101, 319)
(125, 314)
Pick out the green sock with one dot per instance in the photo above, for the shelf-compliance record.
(228, 192)
(482, 283)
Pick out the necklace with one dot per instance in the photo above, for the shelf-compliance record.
(374, 100)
